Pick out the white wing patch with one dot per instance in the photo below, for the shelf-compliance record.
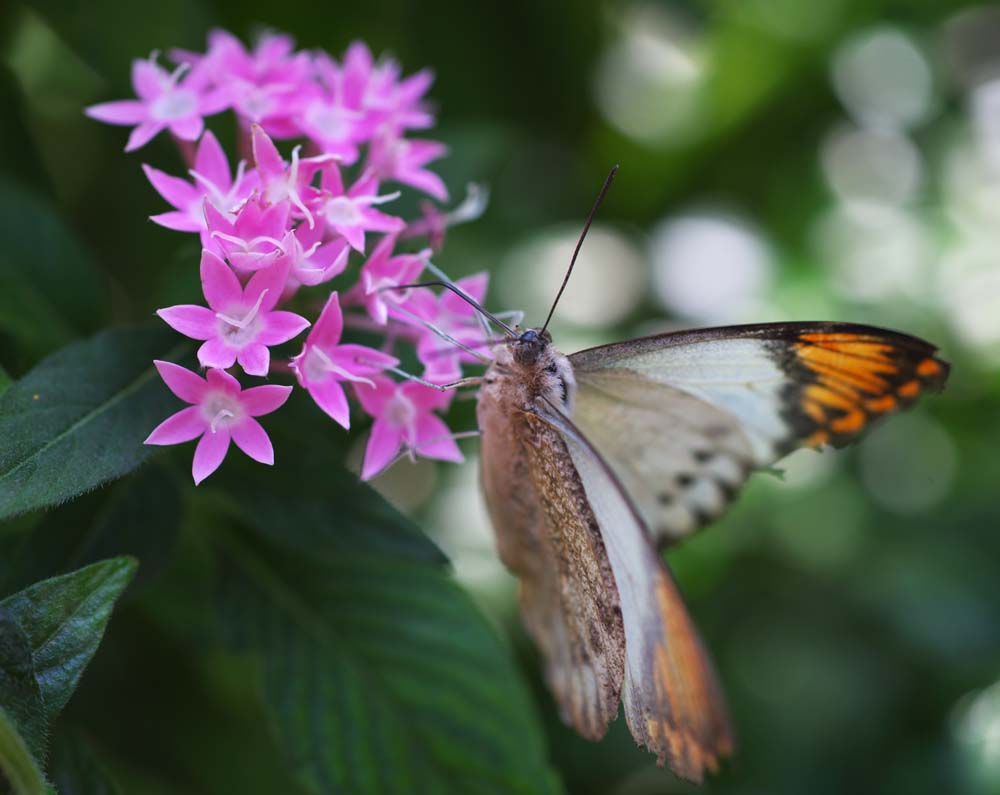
(681, 459)
(738, 376)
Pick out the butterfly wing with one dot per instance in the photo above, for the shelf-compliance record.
(673, 703)
(548, 537)
(683, 418)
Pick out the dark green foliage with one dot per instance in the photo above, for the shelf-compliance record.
(48, 633)
(79, 417)
(378, 673)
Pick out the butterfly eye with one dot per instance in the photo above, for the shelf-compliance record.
(552, 368)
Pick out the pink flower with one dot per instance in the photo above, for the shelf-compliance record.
(402, 160)
(384, 270)
(240, 324)
(279, 182)
(266, 85)
(352, 213)
(165, 102)
(324, 363)
(312, 261)
(212, 181)
(404, 418)
(397, 104)
(252, 240)
(455, 317)
(220, 412)
(334, 119)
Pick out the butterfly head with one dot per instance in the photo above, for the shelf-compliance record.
(531, 366)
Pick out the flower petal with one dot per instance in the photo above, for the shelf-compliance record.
(215, 353)
(220, 285)
(185, 425)
(330, 324)
(280, 327)
(329, 396)
(210, 162)
(255, 359)
(188, 128)
(383, 444)
(261, 400)
(148, 78)
(143, 134)
(188, 386)
(374, 398)
(220, 379)
(179, 192)
(434, 440)
(196, 322)
(209, 453)
(126, 111)
(252, 439)
(265, 155)
(361, 360)
(178, 221)
(272, 279)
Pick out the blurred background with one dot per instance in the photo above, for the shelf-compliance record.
(835, 160)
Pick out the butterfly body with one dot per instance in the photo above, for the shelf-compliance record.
(592, 462)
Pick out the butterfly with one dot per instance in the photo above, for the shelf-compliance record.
(593, 463)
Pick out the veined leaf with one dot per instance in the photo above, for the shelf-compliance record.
(63, 619)
(137, 516)
(16, 765)
(379, 673)
(79, 418)
(50, 288)
(20, 695)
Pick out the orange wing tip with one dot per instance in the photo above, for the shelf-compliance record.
(853, 378)
(682, 753)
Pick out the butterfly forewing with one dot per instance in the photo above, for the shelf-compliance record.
(710, 405)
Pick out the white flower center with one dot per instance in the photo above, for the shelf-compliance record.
(342, 211)
(239, 332)
(400, 412)
(174, 103)
(221, 411)
(332, 121)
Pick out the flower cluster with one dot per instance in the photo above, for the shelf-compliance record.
(275, 229)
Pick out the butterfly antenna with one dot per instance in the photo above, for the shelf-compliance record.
(579, 243)
(461, 294)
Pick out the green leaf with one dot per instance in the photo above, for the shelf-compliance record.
(79, 418)
(63, 619)
(16, 765)
(20, 695)
(5, 380)
(138, 516)
(379, 673)
(51, 291)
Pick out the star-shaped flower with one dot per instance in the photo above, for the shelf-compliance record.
(253, 238)
(404, 418)
(351, 213)
(456, 318)
(402, 160)
(325, 364)
(220, 412)
(166, 100)
(212, 181)
(239, 324)
(384, 270)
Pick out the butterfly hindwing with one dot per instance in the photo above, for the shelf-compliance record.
(548, 536)
(683, 418)
(672, 700)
